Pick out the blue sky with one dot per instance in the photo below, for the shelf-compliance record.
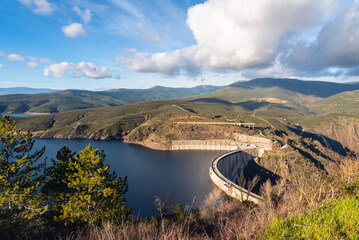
(95, 45)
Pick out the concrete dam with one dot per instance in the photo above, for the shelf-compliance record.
(224, 171)
(240, 141)
(225, 168)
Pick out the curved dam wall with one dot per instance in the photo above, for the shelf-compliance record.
(224, 170)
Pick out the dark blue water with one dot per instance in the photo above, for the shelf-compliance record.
(17, 114)
(182, 174)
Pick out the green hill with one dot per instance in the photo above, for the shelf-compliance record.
(114, 122)
(312, 88)
(68, 100)
(274, 106)
(346, 102)
(291, 90)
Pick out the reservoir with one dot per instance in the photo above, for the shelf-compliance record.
(182, 175)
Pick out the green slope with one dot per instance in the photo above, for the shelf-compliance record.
(346, 102)
(113, 122)
(335, 117)
(68, 100)
(292, 90)
(312, 88)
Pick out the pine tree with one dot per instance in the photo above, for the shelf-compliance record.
(82, 190)
(19, 175)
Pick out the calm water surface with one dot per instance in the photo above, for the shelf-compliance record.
(182, 174)
(17, 114)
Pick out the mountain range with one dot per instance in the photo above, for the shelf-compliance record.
(67, 100)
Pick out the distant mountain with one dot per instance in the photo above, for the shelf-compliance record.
(292, 90)
(62, 101)
(24, 90)
(313, 88)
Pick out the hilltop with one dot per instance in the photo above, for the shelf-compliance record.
(292, 90)
(68, 100)
(279, 105)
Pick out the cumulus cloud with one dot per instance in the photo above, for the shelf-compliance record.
(42, 7)
(32, 64)
(167, 63)
(82, 69)
(85, 14)
(1, 65)
(277, 70)
(15, 57)
(234, 34)
(337, 44)
(74, 30)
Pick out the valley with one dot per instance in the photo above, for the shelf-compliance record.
(289, 136)
(276, 106)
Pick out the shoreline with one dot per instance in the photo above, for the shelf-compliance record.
(150, 145)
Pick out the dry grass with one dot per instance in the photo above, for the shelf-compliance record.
(224, 218)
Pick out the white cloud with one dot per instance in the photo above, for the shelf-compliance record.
(234, 34)
(337, 44)
(32, 64)
(82, 69)
(58, 69)
(1, 66)
(169, 63)
(45, 61)
(1, 54)
(85, 14)
(74, 30)
(42, 7)
(15, 57)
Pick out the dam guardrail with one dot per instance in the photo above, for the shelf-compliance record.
(238, 160)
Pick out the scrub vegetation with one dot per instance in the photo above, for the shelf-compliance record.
(315, 194)
(76, 197)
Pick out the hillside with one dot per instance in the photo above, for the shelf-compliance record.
(68, 100)
(277, 109)
(291, 90)
(345, 102)
(311, 88)
(114, 122)
(283, 96)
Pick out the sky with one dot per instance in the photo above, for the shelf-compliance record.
(107, 44)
